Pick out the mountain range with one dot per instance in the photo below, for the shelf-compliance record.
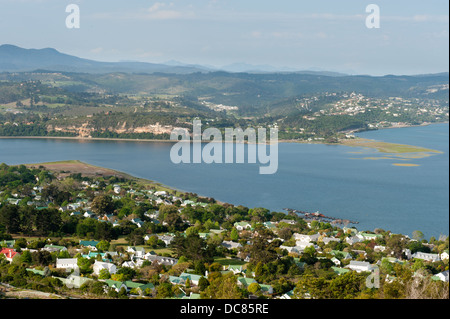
(17, 59)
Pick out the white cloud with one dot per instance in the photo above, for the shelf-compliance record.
(163, 11)
(97, 50)
(156, 7)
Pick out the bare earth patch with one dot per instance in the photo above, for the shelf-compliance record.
(75, 167)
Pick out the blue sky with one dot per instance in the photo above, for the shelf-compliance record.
(413, 37)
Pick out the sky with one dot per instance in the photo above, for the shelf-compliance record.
(412, 38)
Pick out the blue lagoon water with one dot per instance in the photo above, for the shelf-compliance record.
(335, 180)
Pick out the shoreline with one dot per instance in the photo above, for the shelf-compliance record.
(380, 146)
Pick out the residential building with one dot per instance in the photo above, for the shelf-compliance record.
(426, 256)
(71, 263)
(99, 266)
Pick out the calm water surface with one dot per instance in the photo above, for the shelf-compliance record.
(335, 180)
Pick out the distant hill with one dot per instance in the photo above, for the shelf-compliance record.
(250, 68)
(16, 59)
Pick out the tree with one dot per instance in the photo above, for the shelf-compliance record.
(395, 244)
(193, 248)
(48, 220)
(9, 217)
(153, 241)
(164, 290)
(102, 204)
(41, 257)
(262, 251)
(136, 237)
(203, 283)
(234, 234)
(103, 245)
(254, 288)
(50, 192)
(104, 231)
(223, 287)
(417, 235)
(26, 257)
(347, 286)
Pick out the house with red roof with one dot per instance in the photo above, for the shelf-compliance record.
(9, 253)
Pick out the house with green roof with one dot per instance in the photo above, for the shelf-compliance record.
(266, 289)
(142, 289)
(194, 279)
(113, 284)
(89, 243)
(52, 248)
(7, 243)
(288, 295)
(340, 271)
(366, 236)
(192, 296)
(74, 281)
(36, 271)
(175, 280)
(270, 225)
(341, 254)
(393, 260)
(95, 255)
(300, 264)
(245, 281)
(203, 235)
(242, 225)
(235, 269)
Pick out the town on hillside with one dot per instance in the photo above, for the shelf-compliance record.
(74, 235)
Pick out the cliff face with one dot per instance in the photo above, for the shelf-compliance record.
(86, 129)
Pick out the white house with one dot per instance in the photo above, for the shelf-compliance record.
(426, 256)
(327, 240)
(133, 264)
(168, 261)
(301, 245)
(67, 263)
(444, 255)
(138, 252)
(242, 225)
(161, 193)
(89, 214)
(138, 222)
(352, 240)
(167, 239)
(360, 266)
(336, 261)
(99, 266)
(117, 189)
(290, 249)
(443, 276)
(288, 221)
(306, 238)
(230, 244)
